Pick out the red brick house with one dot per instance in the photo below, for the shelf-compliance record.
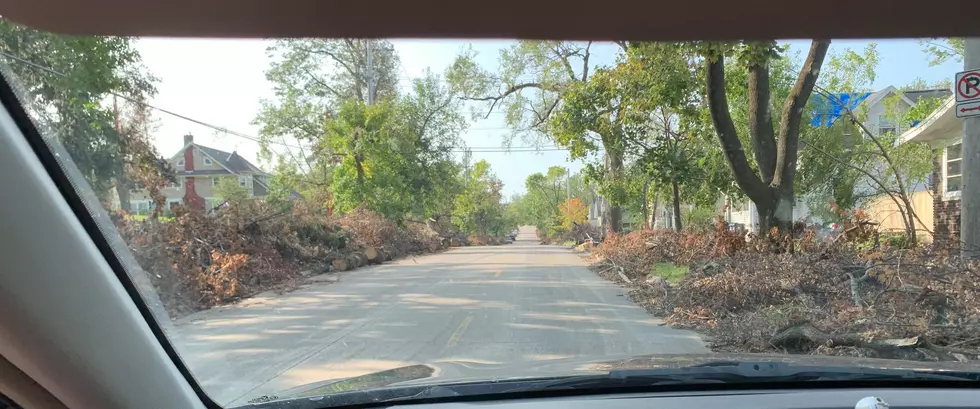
(943, 131)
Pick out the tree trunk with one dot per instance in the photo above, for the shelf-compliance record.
(646, 205)
(613, 213)
(122, 190)
(772, 191)
(653, 214)
(359, 165)
(677, 205)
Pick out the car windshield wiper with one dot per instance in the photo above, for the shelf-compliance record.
(720, 372)
(744, 372)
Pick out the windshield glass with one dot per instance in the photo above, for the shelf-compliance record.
(320, 216)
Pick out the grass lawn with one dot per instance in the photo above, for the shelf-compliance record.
(143, 217)
(669, 271)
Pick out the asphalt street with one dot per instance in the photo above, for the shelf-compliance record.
(488, 305)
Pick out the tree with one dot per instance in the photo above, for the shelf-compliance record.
(393, 157)
(858, 163)
(573, 212)
(228, 190)
(771, 186)
(544, 195)
(531, 88)
(943, 49)
(142, 167)
(478, 209)
(312, 79)
(65, 83)
(827, 154)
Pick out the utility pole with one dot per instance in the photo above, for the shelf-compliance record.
(568, 183)
(970, 197)
(370, 73)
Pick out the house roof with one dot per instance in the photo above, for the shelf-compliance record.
(941, 125)
(835, 107)
(231, 161)
(927, 93)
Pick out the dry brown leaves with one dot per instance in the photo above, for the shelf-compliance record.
(197, 261)
(742, 294)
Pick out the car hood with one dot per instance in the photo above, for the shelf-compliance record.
(461, 371)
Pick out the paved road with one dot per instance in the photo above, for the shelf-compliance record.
(501, 304)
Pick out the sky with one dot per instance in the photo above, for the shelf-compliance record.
(221, 83)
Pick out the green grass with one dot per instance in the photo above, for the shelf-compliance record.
(143, 217)
(569, 243)
(669, 271)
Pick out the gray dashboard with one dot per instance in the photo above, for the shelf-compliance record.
(755, 399)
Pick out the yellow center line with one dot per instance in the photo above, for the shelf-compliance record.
(496, 274)
(454, 339)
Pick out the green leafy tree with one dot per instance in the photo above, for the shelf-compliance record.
(860, 163)
(770, 182)
(573, 212)
(478, 208)
(941, 50)
(228, 190)
(393, 156)
(311, 80)
(65, 82)
(531, 87)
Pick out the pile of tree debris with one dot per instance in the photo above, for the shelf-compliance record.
(820, 298)
(196, 261)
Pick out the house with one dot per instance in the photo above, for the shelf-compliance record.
(943, 132)
(595, 217)
(199, 169)
(883, 209)
(879, 110)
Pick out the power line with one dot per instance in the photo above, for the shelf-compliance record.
(139, 102)
(520, 149)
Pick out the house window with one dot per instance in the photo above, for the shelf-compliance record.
(886, 125)
(953, 171)
(215, 181)
(180, 162)
(207, 161)
(243, 181)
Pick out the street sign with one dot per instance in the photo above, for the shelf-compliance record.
(967, 86)
(968, 109)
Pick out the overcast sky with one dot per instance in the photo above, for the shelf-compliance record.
(220, 82)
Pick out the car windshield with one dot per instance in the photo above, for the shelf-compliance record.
(309, 217)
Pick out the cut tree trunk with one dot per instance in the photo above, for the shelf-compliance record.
(361, 259)
(339, 264)
(372, 254)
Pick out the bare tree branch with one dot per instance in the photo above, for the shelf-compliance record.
(760, 122)
(508, 92)
(747, 180)
(789, 131)
(585, 62)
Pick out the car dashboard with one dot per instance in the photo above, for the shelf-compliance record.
(884, 398)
